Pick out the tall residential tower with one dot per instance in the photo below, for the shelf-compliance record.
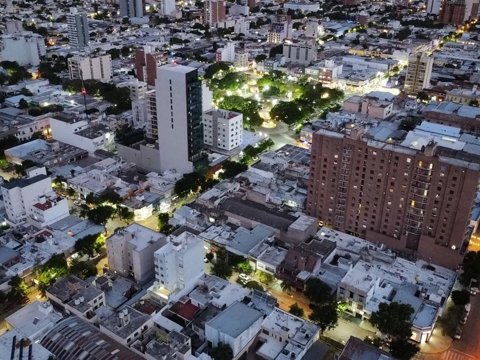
(179, 115)
(78, 34)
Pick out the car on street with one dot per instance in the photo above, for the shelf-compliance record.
(458, 332)
(244, 278)
(474, 287)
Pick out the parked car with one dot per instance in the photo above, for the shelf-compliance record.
(458, 333)
(244, 278)
(474, 287)
(464, 318)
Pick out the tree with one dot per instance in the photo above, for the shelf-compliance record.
(232, 169)
(220, 266)
(192, 182)
(83, 269)
(222, 352)
(23, 104)
(296, 310)
(264, 277)
(260, 58)
(402, 349)
(125, 214)
(317, 291)
(216, 68)
(163, 221)
(245, 267)
(255, 285)
(471, 267)
(474, 102)
(403, 33)
(89, 245)
(276, 50)
(325, 316)
(54, 268)
(460, 297)
(101, 214)
(222, 269)
(209, 256)
(286, 286)
(110, 196)
(393, 319)
(422, 96)
(18, 290)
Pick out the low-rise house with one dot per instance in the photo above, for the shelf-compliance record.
(76, 296)
(237, 326)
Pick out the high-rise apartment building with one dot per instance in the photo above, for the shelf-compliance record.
(455, 12)
(406, 195)
(178, 264)
(90, 67)
(280, 29)
(78, 34)
(25, 48)
(146, 62)
(167, 7)
(179, 115)
(213, 12)
(433, 6)
(419, 72)
(130, 251)
(138, 95)
(222, 129)
(131, 8)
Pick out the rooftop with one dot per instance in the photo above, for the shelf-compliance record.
(133, 320)
(236, 319)
(23, 183)
(32, 319)
(73, 338)
(140, 236)
(356, 349)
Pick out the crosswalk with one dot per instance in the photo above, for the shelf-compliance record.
(450, 354)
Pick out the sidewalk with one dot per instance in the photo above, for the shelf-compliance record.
(438, 343)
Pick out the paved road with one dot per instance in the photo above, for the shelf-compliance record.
(470, 341)
(280, 135)
(450, 354)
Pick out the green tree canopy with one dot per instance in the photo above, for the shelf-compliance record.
(88, 245)
(232, 169)
(255, 285)
(192, 182)
(216, 68)
(221, 267)
(317, 291)
(393, 319)
(460, 297)
(222, 352)
(296, 310)
(471, 267)
(101, 214)
(402, 349)
(325, 315)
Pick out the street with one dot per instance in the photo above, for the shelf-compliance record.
(469, 343)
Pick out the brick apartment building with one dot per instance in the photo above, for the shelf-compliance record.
(418, 201)
(146, 65)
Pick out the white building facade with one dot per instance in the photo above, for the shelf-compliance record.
(178, 265)
(90, 68)
(179, 109)
(130, 251)
(222, 129)
(25, 48)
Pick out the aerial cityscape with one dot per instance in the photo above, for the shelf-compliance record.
(239, 179)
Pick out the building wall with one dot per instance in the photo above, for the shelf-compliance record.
(146, 157)
(143, 261)
(131, 8)
(222, 129)
(397, 198)
(49, 216)
(467, 124)
(167, 7)
(214, 12)
(78, 33)
(19, 200)
(179, 109)
(419, 72)
(300, 53)
(66, 132)
(25, 49)
(237, 344)
(96, 68)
